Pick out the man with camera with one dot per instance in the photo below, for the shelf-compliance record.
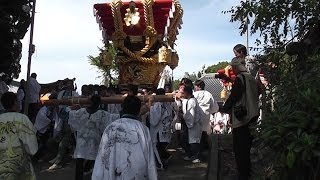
(242, 104)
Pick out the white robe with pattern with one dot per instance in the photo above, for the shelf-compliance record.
(17, 141)
(125, 152)
(160, 121)
(42, 120)
(89, 129)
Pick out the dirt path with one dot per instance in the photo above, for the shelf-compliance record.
(178, 169)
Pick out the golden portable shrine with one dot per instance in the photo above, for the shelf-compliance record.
(143, 33)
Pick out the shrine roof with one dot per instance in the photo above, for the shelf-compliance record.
(163, 12)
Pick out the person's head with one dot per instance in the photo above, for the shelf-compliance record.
(168, 89)
(69, 85)
(199, 85)
(33, 75)
(187, 92)
(132, 89)
(95, 101)
(22, 83)
(160, 91)
(90, 89)
(9, 101)
(53, 96)
(238, 65)
(131, 105)
(111, 91)
(186, 82)
(103, 90)
(240, 50)
(96, 89)
(85, 90)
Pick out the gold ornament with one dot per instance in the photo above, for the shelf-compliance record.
(165, 55)
(224, 94)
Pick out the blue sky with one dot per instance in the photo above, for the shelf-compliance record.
(66, 32)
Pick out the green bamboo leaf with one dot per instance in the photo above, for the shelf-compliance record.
(291, 158)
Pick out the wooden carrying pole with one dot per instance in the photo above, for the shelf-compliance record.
(106, 100)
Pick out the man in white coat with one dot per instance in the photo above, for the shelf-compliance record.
(126, 150)
(208, 106)
(34, 97)
(88, 123)
(192, 117)
(160, 128)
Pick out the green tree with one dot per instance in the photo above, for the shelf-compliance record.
(291, 60)
(176, 84)
(214, 68)
(278, 22)
(193, 76)
(15, 18)
(109, 74)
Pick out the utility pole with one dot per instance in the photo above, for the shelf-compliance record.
(31, 51)
(247, 34)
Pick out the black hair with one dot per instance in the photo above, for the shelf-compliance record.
(133, 88)
(22, 84)
(240, 48)
(84, 86)
(95, 101)
(186, 82)
(188, 89)
(200, 84)
(131, 105)
(34, 75)
(8, 100)
(53, 96)
(160, 91)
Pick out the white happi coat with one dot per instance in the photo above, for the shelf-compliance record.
(125, 152)
(17, 141)
(34, 90)
(42, 120)
(160, 121)
(114, 108)
(192, 115)
(89, 128)
(20, 98)
(208, 106)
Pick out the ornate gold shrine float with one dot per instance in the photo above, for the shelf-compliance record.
(143, 33)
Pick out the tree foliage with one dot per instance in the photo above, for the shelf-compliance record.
(290, 61)
(176, 83)
(15, 18)
(279, 21)
(193, 76)
(214, 68)
(292, 128)
(109, 74)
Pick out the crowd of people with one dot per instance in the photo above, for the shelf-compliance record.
(127, 141)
